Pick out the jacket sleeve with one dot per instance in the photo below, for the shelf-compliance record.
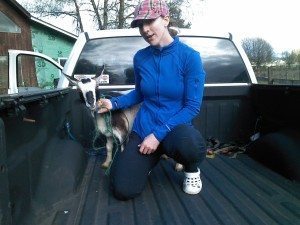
(133, 97)
(193, 94)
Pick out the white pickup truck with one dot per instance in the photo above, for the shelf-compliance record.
(50, 174)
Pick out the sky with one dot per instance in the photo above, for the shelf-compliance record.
(276, 21)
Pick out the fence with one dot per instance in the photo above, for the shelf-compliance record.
(278, 75)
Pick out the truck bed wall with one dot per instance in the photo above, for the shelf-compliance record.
(40, 164)
(277, 106)
(226, 114)
(278, 122)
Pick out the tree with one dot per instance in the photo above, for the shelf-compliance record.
(258, 50)
(97, 16)
(106, 14)
(289, 57)
(176, 14)
(297, 56)
(292, 57)
(53, 8)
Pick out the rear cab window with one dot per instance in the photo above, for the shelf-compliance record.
(222, 61)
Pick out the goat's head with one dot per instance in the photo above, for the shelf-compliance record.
(88, 88)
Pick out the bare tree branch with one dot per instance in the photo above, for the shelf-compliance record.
(106, 14)
(258, 51)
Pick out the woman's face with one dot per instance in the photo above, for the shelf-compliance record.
(155, 31)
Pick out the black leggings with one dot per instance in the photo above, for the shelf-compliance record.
(130, 168)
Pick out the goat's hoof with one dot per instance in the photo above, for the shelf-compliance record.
(105, 165)
(164, 156)
(178, 167)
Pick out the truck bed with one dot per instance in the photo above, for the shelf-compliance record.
(235, 191)
(46, 178)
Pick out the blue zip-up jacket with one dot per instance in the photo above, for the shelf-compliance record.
(169, 82)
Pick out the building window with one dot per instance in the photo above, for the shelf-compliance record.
(7, 25)
(3, 74)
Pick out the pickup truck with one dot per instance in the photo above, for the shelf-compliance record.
(50, 170)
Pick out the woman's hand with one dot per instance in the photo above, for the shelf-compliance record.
(104, 105)
(149, 144)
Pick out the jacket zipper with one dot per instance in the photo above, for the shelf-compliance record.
(157, 62)
(158, 80)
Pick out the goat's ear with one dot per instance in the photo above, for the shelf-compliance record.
(99, 72)
(72, 80)
(98, 75)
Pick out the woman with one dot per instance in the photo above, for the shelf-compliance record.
(169, 83)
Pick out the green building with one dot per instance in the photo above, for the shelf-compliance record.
(51, 41)
(19, 30)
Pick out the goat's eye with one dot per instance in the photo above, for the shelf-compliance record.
(86, 80)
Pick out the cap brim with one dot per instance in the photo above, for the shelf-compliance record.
(148, 17)
(133, 24)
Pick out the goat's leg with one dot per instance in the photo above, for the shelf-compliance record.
(164, 156)
(178, 167)
(109, 149)
(120, 136)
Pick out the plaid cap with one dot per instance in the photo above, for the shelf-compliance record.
(149, 9)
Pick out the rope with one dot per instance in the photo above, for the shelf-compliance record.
(107, 120)
(94, 151)
(68, 128)
(109, 129)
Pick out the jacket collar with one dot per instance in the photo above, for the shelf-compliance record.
(167, 49)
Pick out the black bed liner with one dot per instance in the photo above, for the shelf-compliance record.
(235, 191)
